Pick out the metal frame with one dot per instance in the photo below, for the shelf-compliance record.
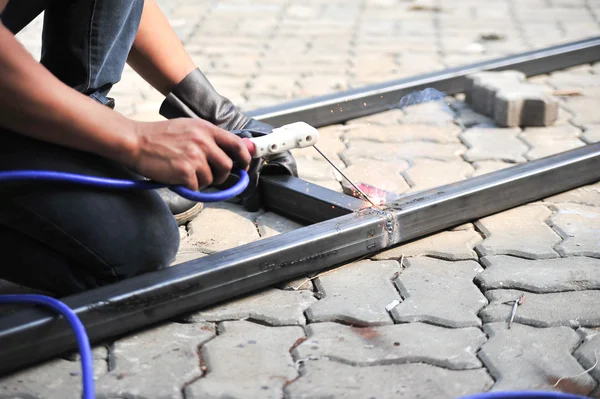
(32, 335)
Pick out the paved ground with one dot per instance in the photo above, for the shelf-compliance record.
(331, 336)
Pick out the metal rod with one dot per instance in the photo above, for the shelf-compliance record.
(346, 105)
(33, 335)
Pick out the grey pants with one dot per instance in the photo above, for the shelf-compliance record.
(63, 238)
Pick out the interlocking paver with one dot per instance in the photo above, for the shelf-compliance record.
(493, 144)
(551, 140)
(525, 105)
(448, 245)
(579, 225)
(402, 133)
(435, 113)
(221, 226)
(585, 110)
(439, 292)
(393, 152)
(532, 358)
(569, 80)
(156, 363)
(53, 379)
(273, 307)
(589, 353)
(329, 379)
(591, 134)
(427, 173)
(481, 88)
(485, 167)
(356, 294)
(271, 224)
(586, 195)
(382, 175)
(453, 349)
(572, 308)
(391, 117)
(466, 118)
(519, 231)
(547, 275)
(256, 357)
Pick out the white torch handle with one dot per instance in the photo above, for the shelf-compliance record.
(287, 137)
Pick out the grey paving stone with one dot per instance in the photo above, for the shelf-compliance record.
(391, 117)
(572, 308)
(579, 226)
(531, 358)
(541, 276)
(493, 144)
(454, 349)
(156, 363)
(271, 224)
(383, 175)
(329, 379)
(591, 134)
(439, 292)
(395, 152)
(247, 360)
(221, 226)
(586, 195)
(569, 80)
(400, 133)
(356, 294)
(428, 173)
(481, 87)
(589, 353)
(273, 306)
(525, 105)
(467, 118)
(551, 140)
(315, 169)
(53, 379)
(585, 110)
(484, 167)
(434, 112)
(448, 245)
(519, 231)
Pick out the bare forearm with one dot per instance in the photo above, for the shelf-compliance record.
(157, 54)
(35, 103)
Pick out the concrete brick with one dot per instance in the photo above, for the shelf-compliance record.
(391, 117)
(434, 112)
(448, 245)
(273, 307)
(356, 294)
(540, 276)
(383, 175)
(481, 87)
(586, 195)
(532, 358)
(427, 173)
(519, 231)
(585, 110)
(402, 133)
(551, 140)
(257, 356)
(572, 308)
(525, 105)
(57, 378)
(156, 363)
(484, 167)
(394, 152)
(271, 224)
(329, 379)
(453, 349)
(439, 292)
(221, 226)
(588, 354)
(579, 226)
(591, 134)
(493, 144)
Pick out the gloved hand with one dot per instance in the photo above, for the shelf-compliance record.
(195, 97)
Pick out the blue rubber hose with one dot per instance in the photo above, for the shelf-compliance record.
(18, 176)
(83, 343)
(523, 395)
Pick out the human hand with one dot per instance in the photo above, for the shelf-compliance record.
(185, 151)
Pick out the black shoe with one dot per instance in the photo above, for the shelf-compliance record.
(182, 209)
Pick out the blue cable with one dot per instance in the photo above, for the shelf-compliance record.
(15, 176)
(87, 365)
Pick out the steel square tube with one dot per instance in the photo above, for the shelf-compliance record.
(346, 105)
(32, 335)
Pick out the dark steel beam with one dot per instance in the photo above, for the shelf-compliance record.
(340, 107)
(305, 202)
(33, 335)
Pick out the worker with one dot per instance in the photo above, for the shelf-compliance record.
(57, 115)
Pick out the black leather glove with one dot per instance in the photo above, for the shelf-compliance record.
(195, 97)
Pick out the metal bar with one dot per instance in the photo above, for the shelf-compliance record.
(33, 335)
(340, 107)
(305, 202)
